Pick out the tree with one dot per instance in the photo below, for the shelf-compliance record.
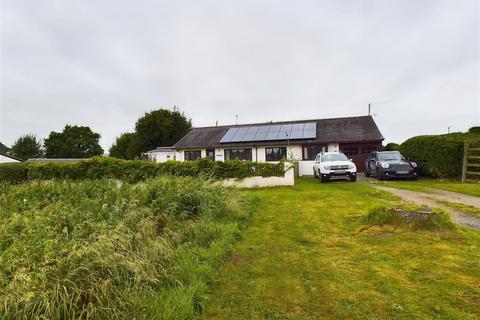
(27, 146)
(73, 142)
(392, 147)
(3, 148)
(474, 130)
(125, 146)
(160, 128)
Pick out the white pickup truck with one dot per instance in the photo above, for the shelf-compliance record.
(330, 165)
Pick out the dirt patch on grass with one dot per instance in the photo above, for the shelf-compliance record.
(237, 259)
(436, 199)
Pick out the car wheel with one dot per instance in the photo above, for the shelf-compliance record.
(323, 179)
(367, 173)
(315, 173)
(380, 176)
(353, 178)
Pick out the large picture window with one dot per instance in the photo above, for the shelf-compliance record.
(311, 151)
(192, 155)
(238, 154)
(275, 153)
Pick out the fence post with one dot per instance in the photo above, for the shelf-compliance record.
(465, 162)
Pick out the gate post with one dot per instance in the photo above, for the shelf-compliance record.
(465, 161)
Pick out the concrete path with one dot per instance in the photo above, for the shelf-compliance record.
(434, 199)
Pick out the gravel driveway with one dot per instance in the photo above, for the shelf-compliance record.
(434, 199)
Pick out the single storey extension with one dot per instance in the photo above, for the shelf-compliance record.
(273, 141)
(160, 154)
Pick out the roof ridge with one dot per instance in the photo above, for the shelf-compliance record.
(280, 122)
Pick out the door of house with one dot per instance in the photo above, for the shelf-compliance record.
(211, 154)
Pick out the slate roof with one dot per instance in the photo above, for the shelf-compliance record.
(160, 149)
(61, 160)
(334, 130)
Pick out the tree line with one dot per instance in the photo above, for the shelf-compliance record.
(157, 128)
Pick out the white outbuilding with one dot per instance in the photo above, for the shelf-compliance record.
(5, 158)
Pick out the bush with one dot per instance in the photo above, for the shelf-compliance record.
(474, 130)
(98, 250)
(13, 172)
(440, 155)
(136, 170)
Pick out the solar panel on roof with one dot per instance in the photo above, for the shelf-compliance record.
(271, 132)
(309, 134)
(296, 135)
(298, 126)
(228, 136)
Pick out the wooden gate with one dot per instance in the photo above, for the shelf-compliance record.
(471, 162)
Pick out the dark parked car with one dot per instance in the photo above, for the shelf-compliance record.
(390, 164)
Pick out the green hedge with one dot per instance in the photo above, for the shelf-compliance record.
(439, 155)
(136, 170)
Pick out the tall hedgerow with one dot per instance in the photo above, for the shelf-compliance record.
(439, 155)
(136, 170)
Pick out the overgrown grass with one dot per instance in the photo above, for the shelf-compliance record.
(384, 215)
(104, 250)
(303, 258)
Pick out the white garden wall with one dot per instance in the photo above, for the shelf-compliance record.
(262, 182)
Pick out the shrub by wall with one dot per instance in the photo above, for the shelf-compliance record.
(136, 170)
(439, 155)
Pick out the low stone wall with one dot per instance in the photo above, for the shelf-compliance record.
(262, 182)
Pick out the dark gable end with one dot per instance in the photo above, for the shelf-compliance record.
(352, 129)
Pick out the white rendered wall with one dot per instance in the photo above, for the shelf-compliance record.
(163, 156)
(294, 152)
(333, 147)
(305, 168)
(179, 155)
(219, 155)
(260, 154)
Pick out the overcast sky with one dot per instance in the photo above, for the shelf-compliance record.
(105, 63)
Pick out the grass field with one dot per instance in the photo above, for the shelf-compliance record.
(303, 257)
(423, 185)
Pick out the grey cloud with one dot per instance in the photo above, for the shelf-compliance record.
(105, 63)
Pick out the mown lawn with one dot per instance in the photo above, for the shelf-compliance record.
(423, 185)
(303, 258)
